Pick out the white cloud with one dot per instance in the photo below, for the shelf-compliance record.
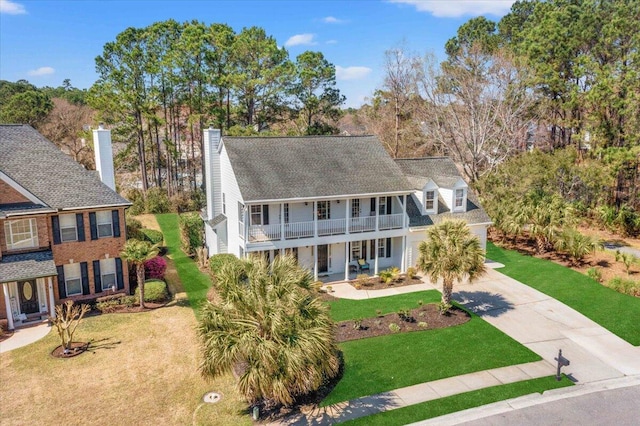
(332, 20)
(300, 39)
(41, 71)
(351, 73)
(458, 8)
(11, 8)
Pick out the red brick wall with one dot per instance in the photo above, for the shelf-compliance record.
(9, 195)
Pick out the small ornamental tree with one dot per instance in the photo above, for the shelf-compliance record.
(67, 319)
(136, 252)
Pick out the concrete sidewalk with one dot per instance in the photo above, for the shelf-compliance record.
(25, 336)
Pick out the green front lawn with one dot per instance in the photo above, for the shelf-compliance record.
(617, 312)
(463, 401)
(394, 361)
(195, 283)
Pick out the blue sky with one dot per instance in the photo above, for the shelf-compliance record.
(47, 41)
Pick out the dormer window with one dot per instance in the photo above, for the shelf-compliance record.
(459, 200)
(430, 201)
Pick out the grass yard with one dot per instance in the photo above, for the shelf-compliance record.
(463, 401)
(194, 282)
(397, 360)
(614, 311)
(141, 369)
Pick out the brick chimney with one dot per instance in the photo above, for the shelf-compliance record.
(104, 155)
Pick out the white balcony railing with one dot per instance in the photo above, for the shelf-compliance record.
(332, 227)
(390, 221)
(259, 233)
(362, 224)
(298, 230)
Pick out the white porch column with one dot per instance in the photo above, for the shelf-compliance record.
(347, 220)
(245, 213)
(315, 222)
(7, 305)
(346, 260)
(281, 222)
(52, 303)
(403, 262)
(315, 261)
(404, 211)
(377, 215)
(375, 267)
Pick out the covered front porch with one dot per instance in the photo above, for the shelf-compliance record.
(27, 287)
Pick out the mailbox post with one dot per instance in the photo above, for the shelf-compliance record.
(562, 361)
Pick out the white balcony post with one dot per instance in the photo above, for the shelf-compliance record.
(52, 303)
(375, 267)
(315, 223)
(346, 260)
(404, 211)
(403, 262)
(377, 214)
(315, 262)
(347, 219)
(245, 213)
(7, 305)
(281, 221)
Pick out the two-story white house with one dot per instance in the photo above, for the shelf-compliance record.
(328, 200)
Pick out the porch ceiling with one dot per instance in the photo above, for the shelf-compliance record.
(15, 267)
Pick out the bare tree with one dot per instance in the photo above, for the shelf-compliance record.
(476, 110)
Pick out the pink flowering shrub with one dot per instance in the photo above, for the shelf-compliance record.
(155, 268)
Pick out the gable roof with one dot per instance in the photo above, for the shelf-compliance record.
(443, 171)
(272, 168)
(38, 166)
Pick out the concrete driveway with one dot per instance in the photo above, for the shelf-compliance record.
(546, 325)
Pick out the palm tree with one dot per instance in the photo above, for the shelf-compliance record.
(271, 329)
(136, 252)
(452, 253)
(576, 245)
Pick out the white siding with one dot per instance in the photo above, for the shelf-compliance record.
(232, 196)
(481, 232)
(447, 196)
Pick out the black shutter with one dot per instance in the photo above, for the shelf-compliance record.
(363, 245)
(85, 277)
(265, 214)
(62, 290)
(373, 205)
(97, 278)
(388, 205)
(116, 223)
(80, 226)
(372, 248)
(388, 247)
(55, 224)
(93, 225)
(119, 276)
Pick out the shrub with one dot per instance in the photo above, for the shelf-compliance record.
(626, 286)
(379, 312)
(317, 286)
(362, 280)
(154, 291)
(108, 306)
(412, 272)
(405, 315)
(156, 201)
(191, 228)
(137, 199)
(443, 308)
(423, 324)
(134, 227)
(357, 324)
(202, 257)
(575, 244)
(395, 328)
(153, 236)
(627, 259)
(595, 274)
(4, 326)
(386, 276)
(155, 268)
(217, 261)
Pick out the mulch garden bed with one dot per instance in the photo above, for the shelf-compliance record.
(374, 283)
(379, 326)
(123, 309)
(77, 348)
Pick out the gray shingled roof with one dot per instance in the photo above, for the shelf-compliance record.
(22, 208)
(313, 166)
(14, 267)
(41, 168)
(443, 171)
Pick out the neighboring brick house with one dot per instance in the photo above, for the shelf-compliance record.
(61, 227)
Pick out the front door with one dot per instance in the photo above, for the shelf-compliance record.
(323, 258)
(28, 297)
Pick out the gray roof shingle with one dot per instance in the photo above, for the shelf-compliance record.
(14, 267)
(443, 171)
(41, 168)
(274, 168)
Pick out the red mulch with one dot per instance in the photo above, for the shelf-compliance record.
(77, 348)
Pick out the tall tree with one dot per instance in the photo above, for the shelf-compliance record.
(23, 103)
(271, 326)
(137, 252)
(451, 253)
(317, 97)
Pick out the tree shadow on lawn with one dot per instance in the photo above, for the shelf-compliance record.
(106, 343)
(483, 303)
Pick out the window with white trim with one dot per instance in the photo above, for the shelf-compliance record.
(324, 210)
(356, 250)
(459, 199)
(104, 221)
(430, 201)
(72, 279)
(382, 206)
(382, 247)
(241, 220)
(68, 230)
(108, 274)
(355, 207)
(21, 234)
(285, 208)
(256, 215)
